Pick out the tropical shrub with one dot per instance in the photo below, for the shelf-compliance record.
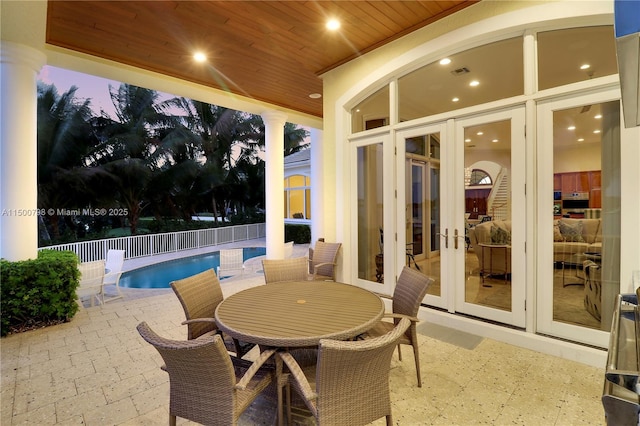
(299, 234)
(38, 292)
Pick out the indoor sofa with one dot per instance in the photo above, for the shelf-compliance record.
(570, 237)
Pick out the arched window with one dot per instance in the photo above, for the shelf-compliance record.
(480, 177)
(297, 197)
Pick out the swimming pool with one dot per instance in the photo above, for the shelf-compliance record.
(159, 275)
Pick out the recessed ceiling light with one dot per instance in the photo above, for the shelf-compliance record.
(467, 140)
(596, 131)
(494, 140)
(445, 61)
(333, 24)
(571, 128)
(580, 139)
(585, 66)
(455, 99)
(199, 57)
(315, 95)
(480, 133)
(474, 83)
(599, 116)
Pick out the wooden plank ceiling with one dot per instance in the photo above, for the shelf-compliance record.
(272, 51)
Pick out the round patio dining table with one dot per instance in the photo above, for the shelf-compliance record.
(298, 314)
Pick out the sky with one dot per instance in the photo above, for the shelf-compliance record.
(89, 86)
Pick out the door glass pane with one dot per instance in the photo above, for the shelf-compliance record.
(370, 209)
(586, 223)
(487, 155)
(423, 206)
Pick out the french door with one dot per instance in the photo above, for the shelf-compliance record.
(489, 166)
(437, 223)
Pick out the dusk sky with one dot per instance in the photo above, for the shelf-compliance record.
(89, 86)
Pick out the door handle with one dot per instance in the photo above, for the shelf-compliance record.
(446, 237)
(455, 239)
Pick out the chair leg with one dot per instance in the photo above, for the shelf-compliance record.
(417, 359)
(399, 353)
(389, 420)
(172, 420)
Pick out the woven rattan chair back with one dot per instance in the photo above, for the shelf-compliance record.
(199, 295)
(322, 260)
(278, 270)
(352, 379)
(411, 288)
(202, 379)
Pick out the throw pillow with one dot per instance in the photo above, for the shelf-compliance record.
(499, 235)
(557, 235)
(572, 232)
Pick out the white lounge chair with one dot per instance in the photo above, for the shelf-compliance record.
(114, 269)
(91, 279)
(288, 250)
(231, 261)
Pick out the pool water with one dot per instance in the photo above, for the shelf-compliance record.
(161, 274)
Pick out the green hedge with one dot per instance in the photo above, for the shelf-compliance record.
(41, 290)
(299, 234)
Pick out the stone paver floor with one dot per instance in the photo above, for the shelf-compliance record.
(97, 370)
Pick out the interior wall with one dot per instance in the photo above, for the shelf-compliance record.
(577, 158)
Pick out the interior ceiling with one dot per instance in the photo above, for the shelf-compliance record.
(271, 51)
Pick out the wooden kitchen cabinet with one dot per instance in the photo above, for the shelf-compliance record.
(575, 182)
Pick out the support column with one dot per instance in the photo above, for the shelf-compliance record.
(19, 67)
(274, 122)
(317, 186)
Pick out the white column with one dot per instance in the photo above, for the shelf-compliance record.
(19, 66)
(274, 122)
(317, 186)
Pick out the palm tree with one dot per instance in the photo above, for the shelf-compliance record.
(133, 149)
(64, 137)
(221, 134)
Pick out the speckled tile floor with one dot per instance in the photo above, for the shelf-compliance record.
(96, 370)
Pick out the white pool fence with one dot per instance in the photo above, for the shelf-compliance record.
(155, 244)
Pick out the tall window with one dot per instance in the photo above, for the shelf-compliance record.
(297, 197)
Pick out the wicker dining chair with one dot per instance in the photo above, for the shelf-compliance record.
(278, 270)
(350, 383)
(410, 290)
(322, 260)
(204, 385)
(200, 295)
